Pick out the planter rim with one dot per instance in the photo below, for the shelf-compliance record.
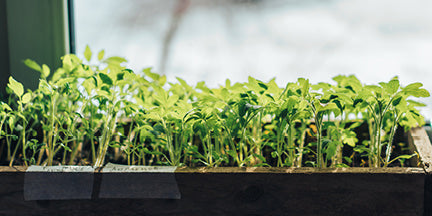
(418, 138)
(273, 170)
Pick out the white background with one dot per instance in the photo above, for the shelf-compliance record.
(220, 39)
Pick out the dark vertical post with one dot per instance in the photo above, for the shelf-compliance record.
(71, 22)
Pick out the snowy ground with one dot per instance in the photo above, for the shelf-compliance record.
(220, 39)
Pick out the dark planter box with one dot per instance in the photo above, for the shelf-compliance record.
(231, 191)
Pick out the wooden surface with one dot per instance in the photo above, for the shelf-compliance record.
(249, 191)
(419, 138)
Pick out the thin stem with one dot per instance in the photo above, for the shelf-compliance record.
(291, 145)
(301, 144)
(8, 142)
(390, 142)
(41, 152)
(318, 122)
(378, 142)
(23, 134)
(14, 153)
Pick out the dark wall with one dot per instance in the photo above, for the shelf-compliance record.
(4, 48)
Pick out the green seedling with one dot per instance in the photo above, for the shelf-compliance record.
(86, 113)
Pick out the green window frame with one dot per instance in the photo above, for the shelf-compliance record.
(39, 30)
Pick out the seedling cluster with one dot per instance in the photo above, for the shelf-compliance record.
(92, 113)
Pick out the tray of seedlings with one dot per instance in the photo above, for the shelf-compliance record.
(97, 138)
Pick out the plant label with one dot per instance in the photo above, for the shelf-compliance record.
(154, 182)
(58, 182)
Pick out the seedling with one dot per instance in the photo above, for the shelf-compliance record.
(86, 113)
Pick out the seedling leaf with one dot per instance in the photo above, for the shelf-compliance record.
(105, 78)
(16, 86)
(26, 98)
(33, 65)
(45, 71)
(396, 101)
(101, 55)
(87, 53)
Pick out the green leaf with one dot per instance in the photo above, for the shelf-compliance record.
(374, 88)
(32, 64)
(89, 85)
(87, 53)
(44, 87)
(153, 116)
(65, 147)
(63, 81)
(391, 87)
(331, 149)
(290, 103)
(349, 138)
(339, 105)
(242, 108)
(16, 86)
(162, 80)
(26, 98)
(304, 85)
(357, 101)
(406, 156)
(416, 103)
(120, 76)
(414, 90)
(347, 159)
(105, 78)
(325, 107)
(67, 62)
(172, 100)
(262, 85)
(6, 106)
(101, 55)
(45, 71)
(355, 124)
(12, 122)
(115, 60)
(396, 101)
(153, 76)
(413, 86)
(421, 93)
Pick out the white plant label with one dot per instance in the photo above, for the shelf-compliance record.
(60, 169)
(115, 168)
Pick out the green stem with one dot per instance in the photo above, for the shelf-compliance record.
(24, 144)
(91, 134)
(13, 154)
(279, 143)
(41, 152)
(106, 138)
(64, 154)
(233, 146)
(209, 147)
(169, 143)
(291, 146)
(318, 122)
(301, 144)
(378, 143)
(390, 142)
(74, 151)
(8, 142)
